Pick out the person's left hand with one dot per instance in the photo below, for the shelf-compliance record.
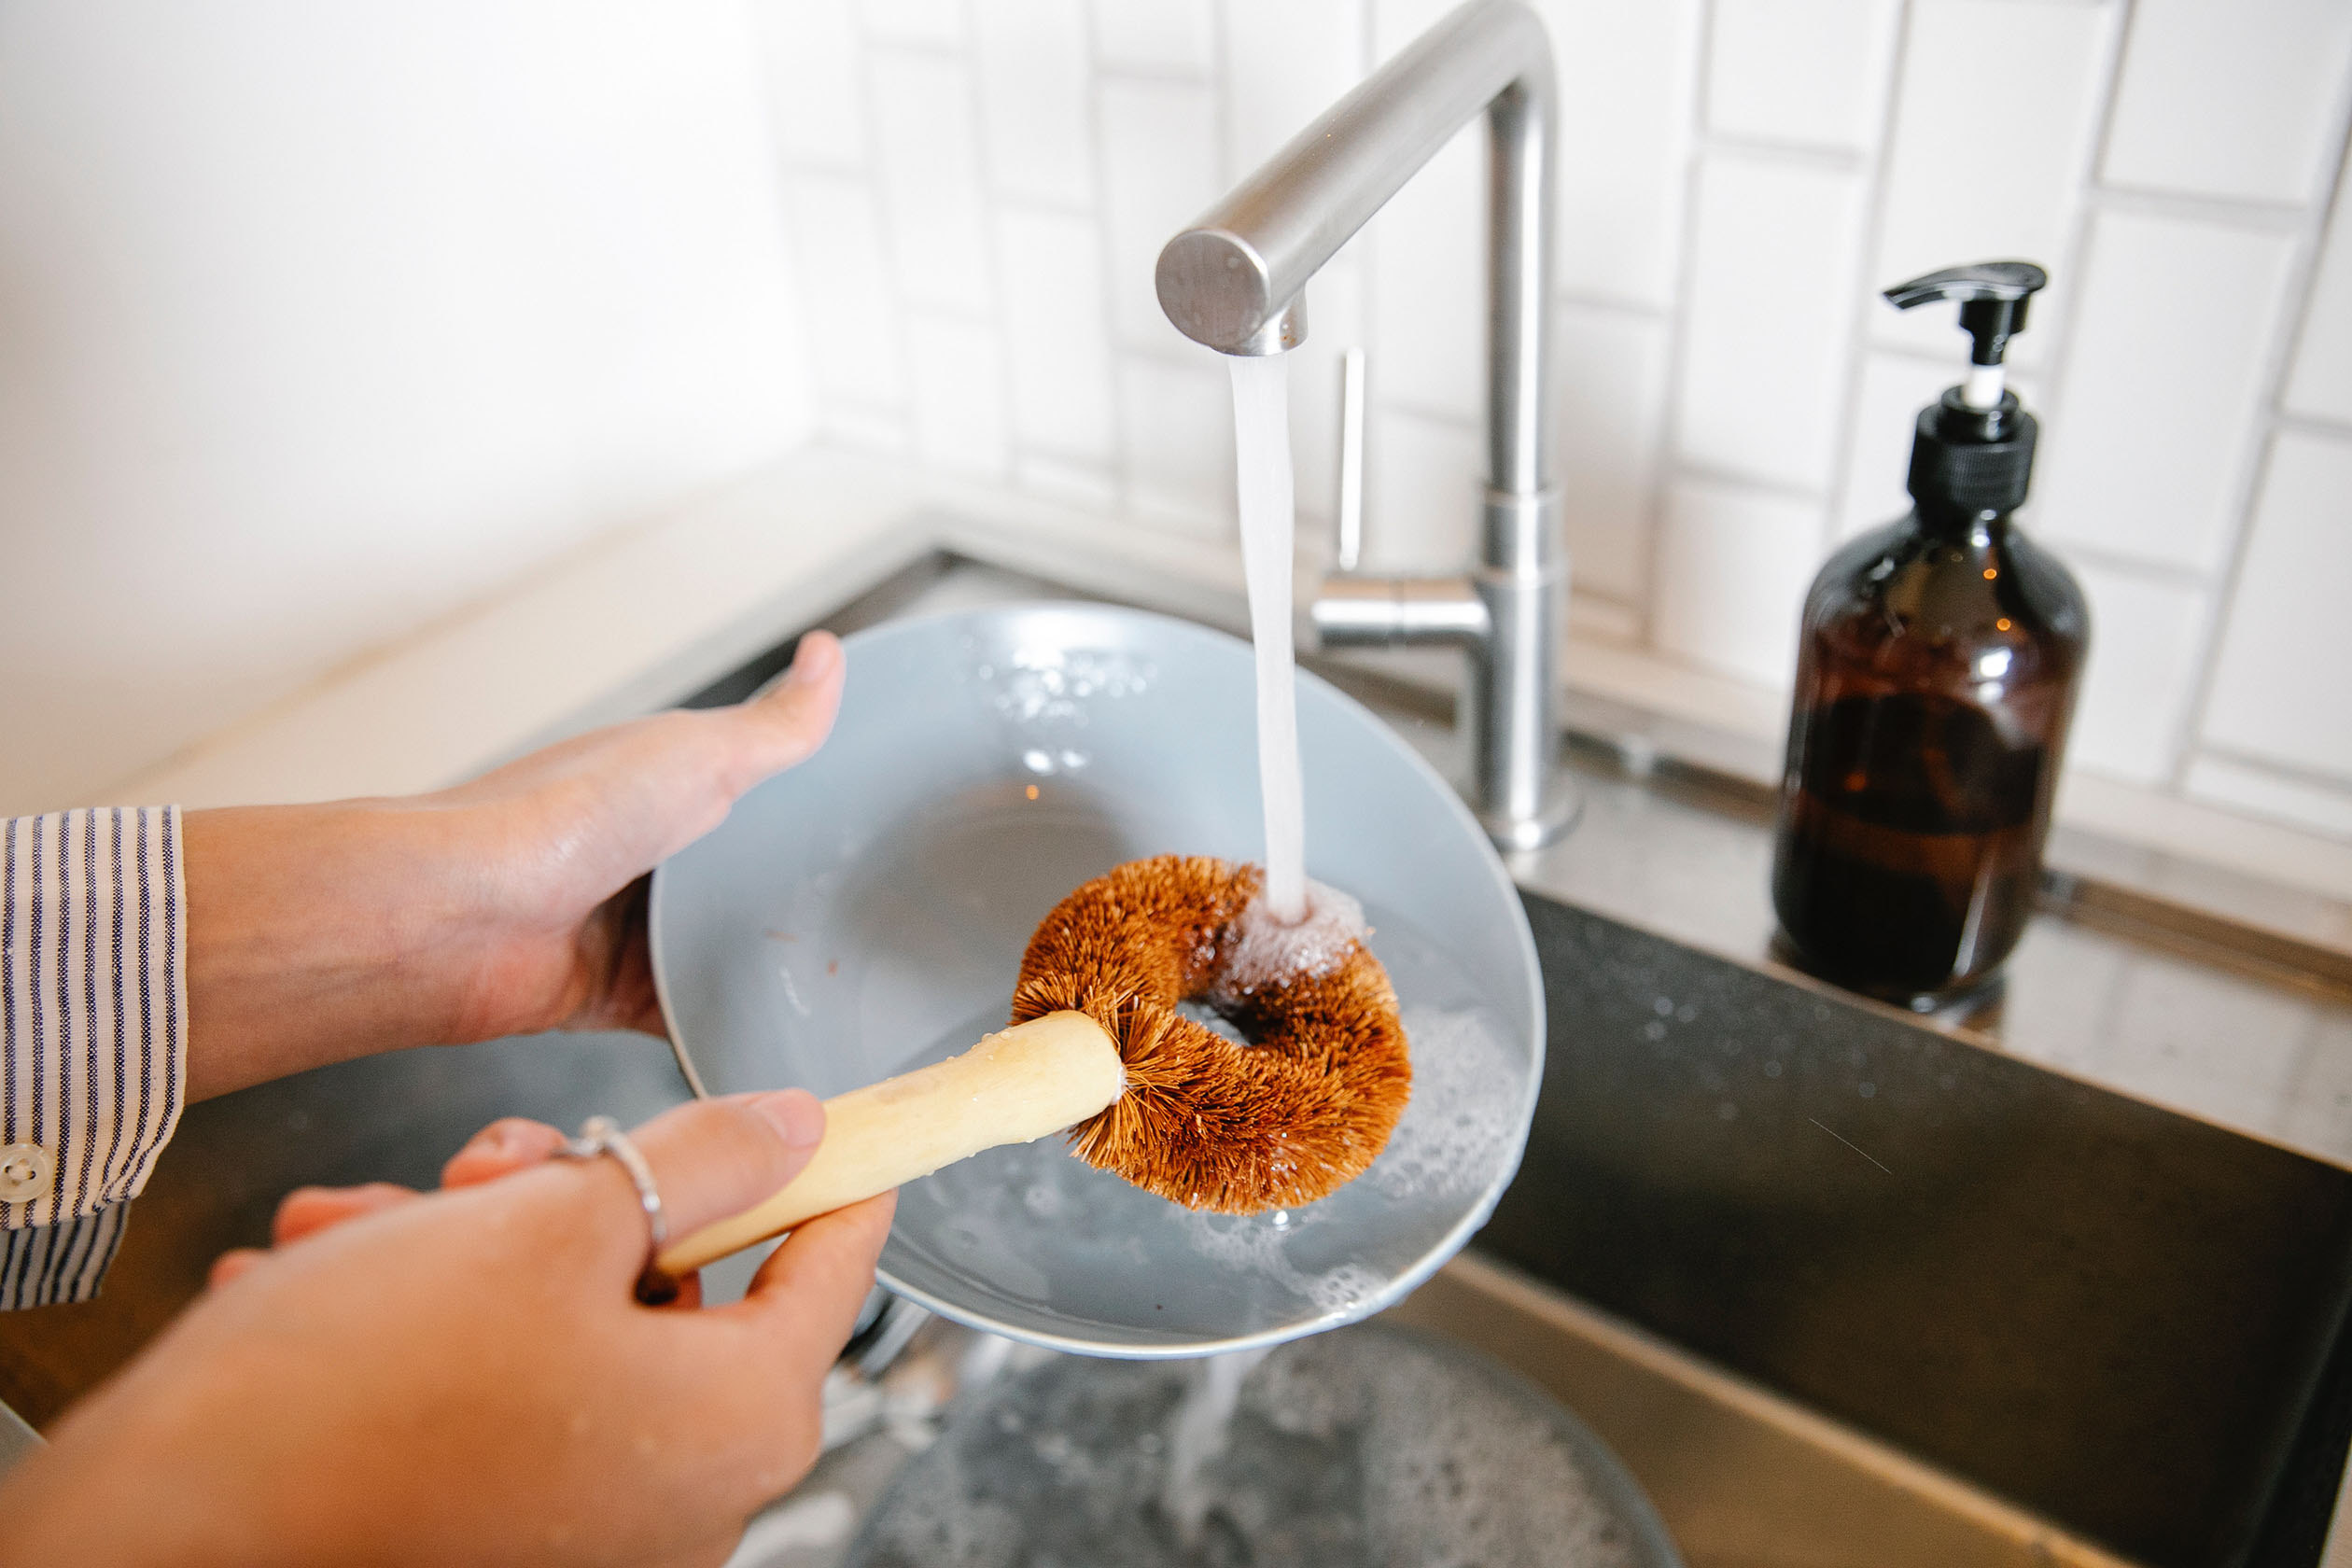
(509, 904)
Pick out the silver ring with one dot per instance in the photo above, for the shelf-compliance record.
(602, 1135)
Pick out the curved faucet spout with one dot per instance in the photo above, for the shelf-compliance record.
(1245, 259)
(1236, 275)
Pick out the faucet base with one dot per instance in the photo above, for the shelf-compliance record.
(1563, 805)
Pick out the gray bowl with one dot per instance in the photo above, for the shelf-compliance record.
(865, 913)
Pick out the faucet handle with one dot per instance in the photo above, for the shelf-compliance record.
(1351, 459)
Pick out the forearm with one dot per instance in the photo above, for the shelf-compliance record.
(306, 943)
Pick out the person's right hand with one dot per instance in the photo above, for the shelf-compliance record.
(467, 1377)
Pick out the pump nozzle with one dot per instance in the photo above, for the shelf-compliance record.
(1992, 296)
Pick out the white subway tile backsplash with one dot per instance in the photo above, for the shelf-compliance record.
(2257, 792)
(854, 333)
(1772, 300)
(2280, 692)
(1809, 72)
(1628, 72)
(958, 373)
(1997, 109)
(1611, 411)
(1423, 481)
(931, 179)
(1284, 65)
(1035, 83)
(1176, 416)
(2239, 99)
(1428, 287)
(1057, 323)
(2321, 384)
(1733, 564)
(2144, 451)
(1160, 157)
(815, 76)
(915, 22)
(2145, 636)
(1163, 37)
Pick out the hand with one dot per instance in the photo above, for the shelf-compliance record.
(465, 1377)
(509, 904)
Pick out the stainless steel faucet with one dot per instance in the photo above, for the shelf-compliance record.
(1235, 281)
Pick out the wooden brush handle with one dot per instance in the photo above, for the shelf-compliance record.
(1013, 1087)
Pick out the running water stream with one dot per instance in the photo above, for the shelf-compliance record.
(1262, 460)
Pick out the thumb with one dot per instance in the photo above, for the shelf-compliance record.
(804, 1299)
(788, 719)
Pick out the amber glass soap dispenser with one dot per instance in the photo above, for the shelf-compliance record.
(1935, 680)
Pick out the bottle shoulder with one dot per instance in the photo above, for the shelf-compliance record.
(1936, 607)
(2051, 594)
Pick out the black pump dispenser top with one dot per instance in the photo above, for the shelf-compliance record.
(1972, 455)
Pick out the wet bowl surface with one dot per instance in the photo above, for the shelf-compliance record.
(865, 913)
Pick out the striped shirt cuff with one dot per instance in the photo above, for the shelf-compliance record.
(93, 1027)
(48, 1266)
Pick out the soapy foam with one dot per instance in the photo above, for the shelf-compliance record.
(1253, 1245)
(1463, 1114)
(1266, 949)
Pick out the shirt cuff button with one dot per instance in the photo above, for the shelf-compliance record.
(27, 1172)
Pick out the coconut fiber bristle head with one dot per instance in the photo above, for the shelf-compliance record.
(1204, 1122)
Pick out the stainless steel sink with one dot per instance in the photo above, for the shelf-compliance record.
(1842, 1285)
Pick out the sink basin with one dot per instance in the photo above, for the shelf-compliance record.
(1777, 1244)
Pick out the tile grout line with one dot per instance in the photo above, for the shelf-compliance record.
(1122, 477)
(1694, 66)
(994, 198)
(2080, 237)
(2293, 773)
(1878, 174)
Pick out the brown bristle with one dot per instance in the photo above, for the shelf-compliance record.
(1204, 1122)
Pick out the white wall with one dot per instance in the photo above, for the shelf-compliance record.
(980, 187)
(319, 318)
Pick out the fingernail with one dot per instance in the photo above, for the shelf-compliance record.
(489, 1140)
(813, 660)
(796, 1114)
